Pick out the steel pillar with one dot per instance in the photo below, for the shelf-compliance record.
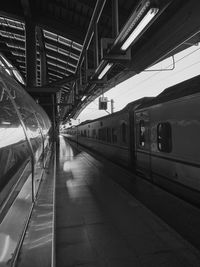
(95, 18)
(115, 18)
(86, 66)
(43, 58)
(96, 46)
(30, 53)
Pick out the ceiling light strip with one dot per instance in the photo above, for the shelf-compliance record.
(105, 70)
(140, 27)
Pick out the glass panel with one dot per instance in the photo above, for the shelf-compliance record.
(14, 150)
(123, 132)
(164, 137)
(142, 133)
(114, 136)
(109, 135)
(27, 108)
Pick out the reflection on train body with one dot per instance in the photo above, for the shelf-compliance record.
(24, 146)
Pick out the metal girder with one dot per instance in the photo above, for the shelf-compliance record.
(46, 89)
(26, 8)
(43, 57)
(30, 45)
(30, 54)
(95, 18)
(63, 81)
(115, 18)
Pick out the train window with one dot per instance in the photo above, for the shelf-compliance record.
(103, 134)
(164, 137)
(108, 135)
(93, 133)
(114, 136)
(142, 133)
(100, 134)
(123, 132)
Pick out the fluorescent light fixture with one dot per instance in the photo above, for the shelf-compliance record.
(83, 98)
(5, 122)
(105, 70)
(140, 27)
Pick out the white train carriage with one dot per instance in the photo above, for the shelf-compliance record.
(167, 143)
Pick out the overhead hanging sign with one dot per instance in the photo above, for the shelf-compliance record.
(103, 103)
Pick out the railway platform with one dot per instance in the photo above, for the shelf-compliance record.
(99, 224)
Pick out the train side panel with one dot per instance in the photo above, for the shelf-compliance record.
(174, 142)
(109, 136)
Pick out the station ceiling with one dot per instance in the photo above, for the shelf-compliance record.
(75, 49)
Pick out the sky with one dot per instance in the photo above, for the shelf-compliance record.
(148, 83)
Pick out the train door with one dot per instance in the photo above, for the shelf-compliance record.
(142, 135)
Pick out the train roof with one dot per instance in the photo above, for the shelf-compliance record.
(185, 88)
(130, 106)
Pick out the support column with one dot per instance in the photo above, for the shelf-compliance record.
(115, 18)
(43, 58)
(96, 46)
(86, 65)
(76, 91)
(43, 68)
(30, 53)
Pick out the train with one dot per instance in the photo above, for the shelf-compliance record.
(156, 137)
(25, 140)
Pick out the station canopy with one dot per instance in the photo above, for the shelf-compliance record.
(68, 52)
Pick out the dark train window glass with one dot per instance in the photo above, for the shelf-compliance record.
(104, 133)
(114, 136)
(108, 135)
(100, 134)
(142, 133)
(93, 133)
(164, 137)
(123, 131)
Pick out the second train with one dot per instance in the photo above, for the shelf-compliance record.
(158, 138)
